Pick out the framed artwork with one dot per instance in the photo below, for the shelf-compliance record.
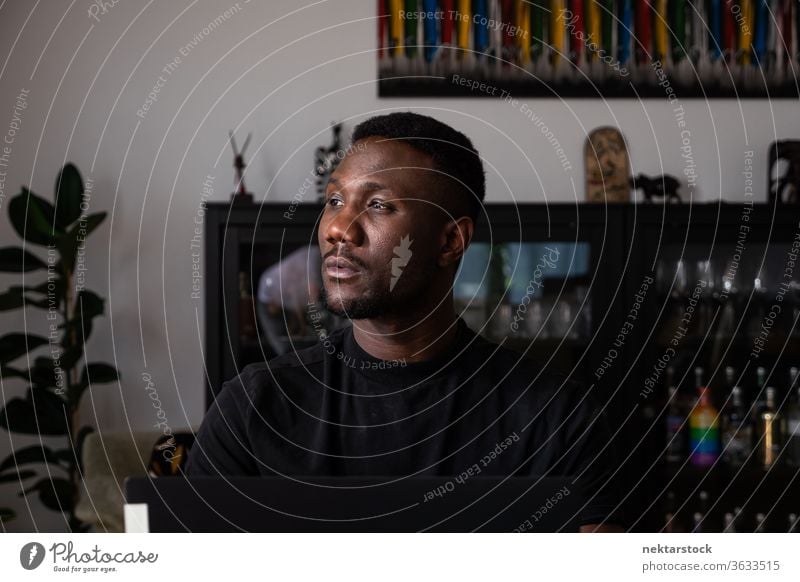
(589, 48)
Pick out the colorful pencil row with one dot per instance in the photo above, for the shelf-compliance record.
(755, 41)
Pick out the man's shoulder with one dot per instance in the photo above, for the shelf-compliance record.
(259, 375)
(300, 358)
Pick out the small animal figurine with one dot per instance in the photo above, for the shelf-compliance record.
(660, 186)
(607, 166)
(784, 172)
(169, 455)
(241, 194)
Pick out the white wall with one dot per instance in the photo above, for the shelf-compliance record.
(283, 72)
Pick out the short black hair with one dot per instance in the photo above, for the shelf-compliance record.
(452, 152)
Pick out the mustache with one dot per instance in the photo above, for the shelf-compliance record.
(345, 255)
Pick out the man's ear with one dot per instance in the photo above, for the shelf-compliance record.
(455, 240)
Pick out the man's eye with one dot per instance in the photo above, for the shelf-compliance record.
(332, 200)
(378, 205)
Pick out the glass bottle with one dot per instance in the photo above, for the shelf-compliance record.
(536, 321)
(498, 283)
(737, 519)
(675, 423)
(761, 379)
(697, 522)
(671, 524)
(730, 377)
(793, 421)
(770, 431)
(758, 398)
(737, 432)
(702, 507)
(704, 431)
(729, 523)
(698, 377)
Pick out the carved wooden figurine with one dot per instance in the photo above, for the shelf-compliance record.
(240, 194)
(607, 166)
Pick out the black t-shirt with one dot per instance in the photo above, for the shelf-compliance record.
(334, 410)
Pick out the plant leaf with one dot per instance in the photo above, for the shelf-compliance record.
(32, 454)
(82, 334)
(14, 345)
(51, 371)
(55, 493)
(70, 357)
(17, 476)
(96, 373)
(19, 260)
(54, 286)
(45, 374)
(33, 218)
(7, 514)
(41, 413)
(88, 305)
(14, 298)
(65, 457)
(68, 243)
(9, 372)
(69, 195)
(46, 295)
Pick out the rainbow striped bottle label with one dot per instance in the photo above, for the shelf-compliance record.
(704, 444)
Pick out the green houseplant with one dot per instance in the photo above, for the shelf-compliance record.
(53, 365)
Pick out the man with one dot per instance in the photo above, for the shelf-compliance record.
(408, 388)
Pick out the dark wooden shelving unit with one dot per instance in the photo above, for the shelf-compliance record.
(626, 241)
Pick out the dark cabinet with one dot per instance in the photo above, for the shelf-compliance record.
(725, 303)
(625, 298)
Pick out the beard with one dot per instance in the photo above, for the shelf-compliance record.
(370, 305)
(378, 300)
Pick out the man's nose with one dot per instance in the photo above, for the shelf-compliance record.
(344, 225)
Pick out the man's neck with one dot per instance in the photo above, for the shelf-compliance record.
(410, 340)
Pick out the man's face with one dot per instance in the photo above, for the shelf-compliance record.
(381, 231)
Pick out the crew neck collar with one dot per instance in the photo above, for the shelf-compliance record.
(388, 370)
